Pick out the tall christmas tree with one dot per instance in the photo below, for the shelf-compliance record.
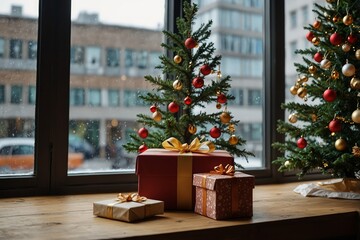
(180, 99)
(323, 131)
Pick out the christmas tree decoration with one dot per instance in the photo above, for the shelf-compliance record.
(336, 39)
(294, 89)
(335, 126)
(184, 104)
(293, 118)
(142, 148)
(198, 82)
(355, 116)
(190, 43)
(215, 132)
(233, 140)
(340, 144)
(348, 70)
(173, 107)
(157, 116)
(192, 129)
(356, 151)
(355, 83)
(301, 92)
(301, 143)
(225, 117)
(187, 100)
(348, 20)
(330, 116)
(177, 85)
(318, 57)
(329, 95)
(315, 41)
(221, 98)
(153, 108)
(143, 132)
(177, 59)
(205, 69)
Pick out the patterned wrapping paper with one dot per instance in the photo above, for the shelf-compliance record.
(223, 196)
(128, 211)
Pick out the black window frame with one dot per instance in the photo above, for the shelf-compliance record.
(53, 76)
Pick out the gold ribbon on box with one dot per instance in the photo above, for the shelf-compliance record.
(227, 170)
(130, 197)
(195, 146)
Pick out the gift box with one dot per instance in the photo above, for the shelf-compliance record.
(167, 175)
(223, 196)
(128, 211)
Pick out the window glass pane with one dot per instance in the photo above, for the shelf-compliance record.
(108, 72)
(18, 44)
(238, 36)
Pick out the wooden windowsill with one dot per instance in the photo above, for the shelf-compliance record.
(279, 213)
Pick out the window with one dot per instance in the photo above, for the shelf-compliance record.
(305, 15)
(2, 94)
(112, 57)
(293, 48)
(94, 97)
(16, 94)
(32, 50)
(15, 48)
(93, 57)
(58, 125)
(2, 47)
(293, 20)
(254, 97)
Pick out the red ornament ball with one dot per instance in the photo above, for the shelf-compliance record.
(173, 107)
(198, 82)
(205, 69)
(221, 98)
(190, 43)
(215, 132)
(187, 100)
(301, 143)
(336, 39)
(143, 148)
(310, 36)
(329, 95)
(352, 38)
(335, 125)
(143, 132)
(318, 57)
(153, 108)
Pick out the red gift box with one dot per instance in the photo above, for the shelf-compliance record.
(223, 196)
(167, 175)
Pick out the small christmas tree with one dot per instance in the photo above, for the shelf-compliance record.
(323, 131)
(179, 104)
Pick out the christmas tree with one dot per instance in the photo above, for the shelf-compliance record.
(179, 103)
(323, 132)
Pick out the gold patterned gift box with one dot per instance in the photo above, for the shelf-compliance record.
(128, 211)
(221, 196)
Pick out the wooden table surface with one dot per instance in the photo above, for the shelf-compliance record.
(279, 213)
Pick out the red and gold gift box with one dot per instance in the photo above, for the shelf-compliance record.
(167, 175)
(128, 211)
(224, 196)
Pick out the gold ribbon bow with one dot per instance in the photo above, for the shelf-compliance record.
(174, 144)
(131, 197)
(227, 170)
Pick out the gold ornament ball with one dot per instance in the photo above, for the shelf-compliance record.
(177, 59)
(192, 129)
(303, 79)
(355, 116)
(157, 116)
(218, 105)
(177, 85)
(293, 118)
(233, 140)
(335, 74)
(336, 19)
(355, 83)
(312, 69)
(293, 90)
(313, 117)
(348, 20)
(346, 47)
(301, 92)
(325, 64)
(348, 70)
(225, 117)
(340, 144)
(231, 128)
(357, 54)
(315, 41)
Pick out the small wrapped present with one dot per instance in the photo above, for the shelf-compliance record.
(128, 208)
(224, 195)
(167, 174)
